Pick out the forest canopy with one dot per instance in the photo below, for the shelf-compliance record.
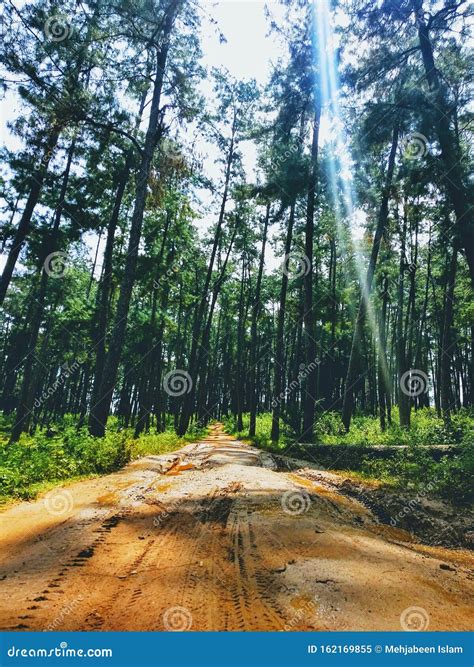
(294, 253)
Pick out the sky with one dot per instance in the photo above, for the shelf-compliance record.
(252, 52)
(249, 52)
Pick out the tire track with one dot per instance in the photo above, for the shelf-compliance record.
(211, 546)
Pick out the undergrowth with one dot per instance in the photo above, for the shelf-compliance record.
(410, 469)
(63, 453)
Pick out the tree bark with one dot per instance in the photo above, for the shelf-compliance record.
(254, 330)
(25, 220)
(404, 405)
(348, 402)
(100, 410)
(280, 342)
(447, 340)
(309, 389)
(193, 366)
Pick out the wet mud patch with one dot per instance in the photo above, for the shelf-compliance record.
(433, 522)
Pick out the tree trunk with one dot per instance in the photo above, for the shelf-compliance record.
(103, 292)
(254, 330)
(193, 368)
(25, 220)
(447, 340)
(309, 388)
(100, 410)
(280, 342)
(383, 373)
(351, 376)
(240, 343)
(403, 384)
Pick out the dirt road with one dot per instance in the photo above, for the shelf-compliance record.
(216, 537)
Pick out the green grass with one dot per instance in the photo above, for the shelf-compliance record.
(414, 470)
(37, 462)
(263, 428)
(426, 429)
(409, 469)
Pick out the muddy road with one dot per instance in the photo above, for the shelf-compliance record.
(219, 536)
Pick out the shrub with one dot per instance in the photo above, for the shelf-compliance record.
(413, 469)
(66, 453)
(426, 428)
(410, 469)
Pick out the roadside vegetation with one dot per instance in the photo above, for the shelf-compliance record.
(413, 469)
(47, 457)
(426, 429)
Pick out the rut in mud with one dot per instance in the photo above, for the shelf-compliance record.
(219, 536)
